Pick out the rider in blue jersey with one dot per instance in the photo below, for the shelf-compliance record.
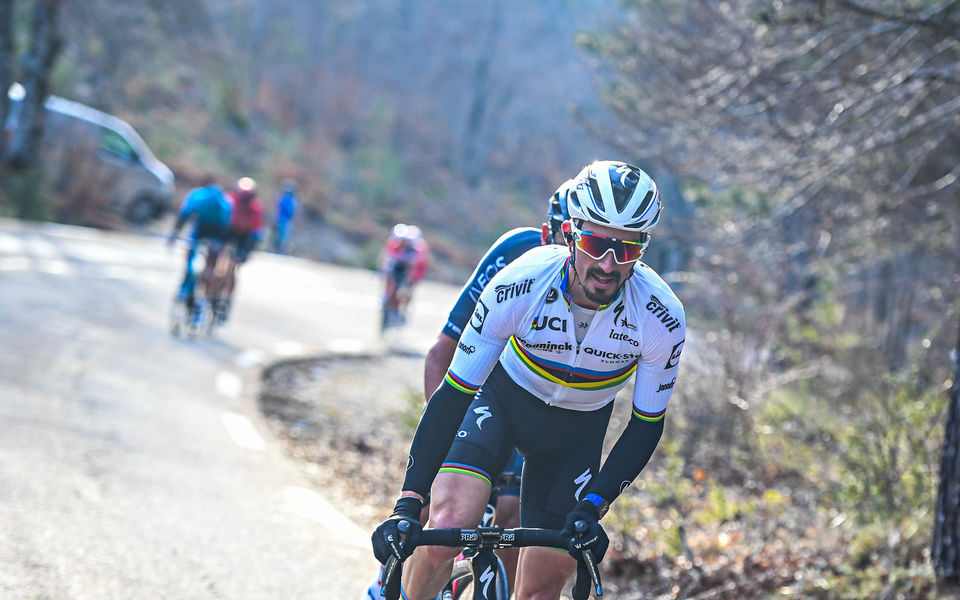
(208, 209)
(552, 339)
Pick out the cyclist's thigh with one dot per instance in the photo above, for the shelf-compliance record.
(457, 500)
(543, 570)
(484, 440)
(555, 474)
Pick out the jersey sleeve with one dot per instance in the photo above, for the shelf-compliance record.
(491, 325)
(657, 369)
(504, 251)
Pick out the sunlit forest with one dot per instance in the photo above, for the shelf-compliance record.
(808, 153)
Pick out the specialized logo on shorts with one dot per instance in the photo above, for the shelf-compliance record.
(479, 314)
(484, 412)
(554, 323)
(467, 349)
(512, 290)
(675, 355)
(663, 313)
(552, 296)
(624, 338)
(620, 320)
(667, 386)
(582, 480)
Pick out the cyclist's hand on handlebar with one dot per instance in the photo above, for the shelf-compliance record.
(386, 538)
(583, 526)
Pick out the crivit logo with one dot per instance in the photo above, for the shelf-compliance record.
(674, 355)
(548, 346)
(667, 386)
(619, 319)
(485, 275)
(466, 348)
(661, 312)
(512, 290)
(479, 315)
(554, 323)
(552, 296)
(624, 338)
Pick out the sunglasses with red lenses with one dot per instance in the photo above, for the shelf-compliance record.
(596, 246)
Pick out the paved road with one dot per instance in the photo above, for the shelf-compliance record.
(133, 464)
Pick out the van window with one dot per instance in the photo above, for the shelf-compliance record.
(113, 143)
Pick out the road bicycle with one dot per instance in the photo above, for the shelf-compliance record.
(481, 571)
(396, 296)
(208, 312)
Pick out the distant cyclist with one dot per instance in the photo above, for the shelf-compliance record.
(505, 250)
(209, 210)
(244, 231)
(404, 261)
(285, 207)
(552, 339)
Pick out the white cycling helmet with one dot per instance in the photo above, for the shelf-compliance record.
(615, 194)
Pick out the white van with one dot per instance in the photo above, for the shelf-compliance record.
(91, 156)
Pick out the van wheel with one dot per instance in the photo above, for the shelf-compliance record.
(141, 210)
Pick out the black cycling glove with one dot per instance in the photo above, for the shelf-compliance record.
(386, 538)
(594, 539)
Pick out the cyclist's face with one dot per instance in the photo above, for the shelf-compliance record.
(601, 277)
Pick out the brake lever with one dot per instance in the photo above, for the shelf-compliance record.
(392, 565)
(580, 527)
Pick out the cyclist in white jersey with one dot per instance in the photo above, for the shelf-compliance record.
(553, 338)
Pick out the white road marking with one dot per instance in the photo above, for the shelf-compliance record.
(347, 346)
(249, 358)
(312, 505)
(10, 244)
(288, 348)
(55, 267)
(228, 384)
(15, 263)
(242, 431)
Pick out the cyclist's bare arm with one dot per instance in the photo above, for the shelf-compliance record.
(437, 362)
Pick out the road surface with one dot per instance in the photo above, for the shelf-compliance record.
(133, 464)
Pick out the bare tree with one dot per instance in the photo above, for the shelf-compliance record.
(36, 63)
(946, 529)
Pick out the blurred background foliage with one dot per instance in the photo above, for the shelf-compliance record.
(808, 154)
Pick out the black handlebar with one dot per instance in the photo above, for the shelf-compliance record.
(493, 537)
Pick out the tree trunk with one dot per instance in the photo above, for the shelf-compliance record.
(6, 65)
(946, 526)
(45, 44)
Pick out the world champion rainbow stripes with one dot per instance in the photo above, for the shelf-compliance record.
(460, 384)
(452, 467)
(647, 416)
(581, 379)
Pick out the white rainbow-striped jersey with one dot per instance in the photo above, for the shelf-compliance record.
(523, 318)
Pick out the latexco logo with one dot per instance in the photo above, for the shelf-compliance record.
(512, 290)
(624, 338)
